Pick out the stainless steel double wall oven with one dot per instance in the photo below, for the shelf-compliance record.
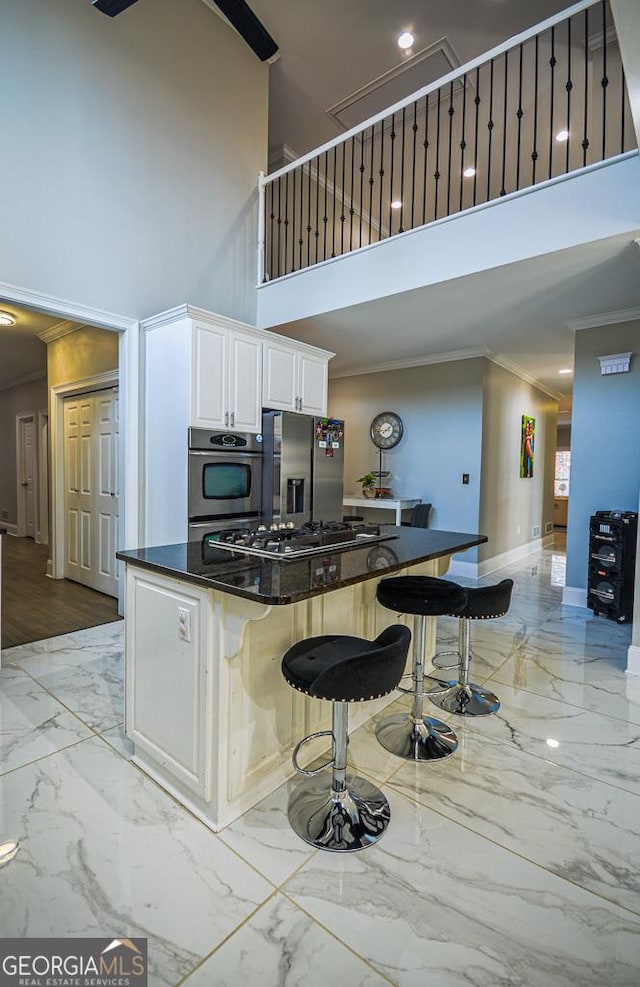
(225, 481)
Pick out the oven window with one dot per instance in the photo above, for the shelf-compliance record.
(226, 481)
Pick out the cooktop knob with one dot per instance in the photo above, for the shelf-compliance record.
(290, 524)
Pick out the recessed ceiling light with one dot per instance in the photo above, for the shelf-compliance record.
(405, 40)
(553, 743)
(565, 370)
(562, 136)
(469, 172)
(6, 319)
(396, 204)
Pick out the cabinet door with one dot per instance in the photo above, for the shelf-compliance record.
(313, 377)
(245, 382)
(209, 392)
(167, 698)
(280, 377)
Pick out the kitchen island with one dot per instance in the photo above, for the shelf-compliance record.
(206, 707)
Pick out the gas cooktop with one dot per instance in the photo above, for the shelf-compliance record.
(285, 542)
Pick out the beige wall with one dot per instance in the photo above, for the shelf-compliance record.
(510, 507)
(14, 401)
(81, 354)
(136, 143)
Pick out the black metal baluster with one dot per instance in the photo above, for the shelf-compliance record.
(362, 169)
(413, 166)
(279, 219)
(335, 183)
(534, 151)
(585, 138)
(569, 87)
(342, 216)
(519, 115)
(286, 221)
(293, 220)
(317, 229)
(623, 86)
(605, 80)
(463, 142)
(450, 111)
(503, 188)
(401, 228)
(393, 148)
(381, 172)
(353, 173)
(490, 129)
(371, 181)
(436, 173)
(272, 216)
(425, 144)
(552, 63)
(325, 218)
(477, 100)
(309, 215)
(301, 237)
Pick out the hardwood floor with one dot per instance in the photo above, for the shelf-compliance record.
(35, 607)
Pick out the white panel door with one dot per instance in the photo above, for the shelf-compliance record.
(314, 374)
(91, 490)
(280, 377)
(245, 382)
(27, 457)
(210, 400)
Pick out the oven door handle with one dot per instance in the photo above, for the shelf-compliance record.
(214, 453)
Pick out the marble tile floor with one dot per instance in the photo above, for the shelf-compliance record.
(514, 862)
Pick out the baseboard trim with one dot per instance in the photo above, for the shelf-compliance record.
(574, 596)
(11, 529)
(474, 570)
(633, 660)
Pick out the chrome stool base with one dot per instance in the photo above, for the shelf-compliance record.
(466, 700)
(420, 740)
(352, 819)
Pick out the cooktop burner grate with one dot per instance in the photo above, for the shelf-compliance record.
(284, 542)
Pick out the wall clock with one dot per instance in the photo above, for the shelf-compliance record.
(386, 430)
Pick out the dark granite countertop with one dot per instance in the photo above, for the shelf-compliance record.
(273, 582)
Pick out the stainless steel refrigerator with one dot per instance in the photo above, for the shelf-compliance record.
(303, 468)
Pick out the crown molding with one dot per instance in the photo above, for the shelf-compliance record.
(417, 361)
(186, 311)
(604, 318)
(59, 330)
(514, 368)
(27, 379)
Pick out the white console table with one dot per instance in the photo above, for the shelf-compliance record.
(383, 504)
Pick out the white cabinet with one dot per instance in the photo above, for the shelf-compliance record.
(295, 377)
(226, 378)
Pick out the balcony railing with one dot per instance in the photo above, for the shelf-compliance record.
(548, 102)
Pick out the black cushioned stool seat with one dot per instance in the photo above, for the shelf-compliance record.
(353, 813)
(418, 737)
(460, 695)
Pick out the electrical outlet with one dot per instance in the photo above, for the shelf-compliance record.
(465, 478)
(519, 530)
(184, 624)
(548, 528)
(535, 531)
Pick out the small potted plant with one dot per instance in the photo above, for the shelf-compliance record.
(368, 481)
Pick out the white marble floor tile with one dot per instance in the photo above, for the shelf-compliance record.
(32, 723)
(83, 673)
(280, 946)
(264, 837)
(117, 738)
(579, 828)
(104, 851)
(599, 746)
(433, 903)
(104, 634)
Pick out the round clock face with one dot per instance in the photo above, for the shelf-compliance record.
(386, 430)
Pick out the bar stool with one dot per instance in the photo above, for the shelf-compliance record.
(418, 737)
(353, 813)
(461, 695)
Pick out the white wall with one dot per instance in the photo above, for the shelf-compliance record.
(14, 401)
(605, 438)
(511, 506)
(135, 144)
(441, 407)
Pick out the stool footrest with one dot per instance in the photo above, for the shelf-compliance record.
(310, 772)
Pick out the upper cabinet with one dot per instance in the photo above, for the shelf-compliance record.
(227, 375)
(295, 376)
